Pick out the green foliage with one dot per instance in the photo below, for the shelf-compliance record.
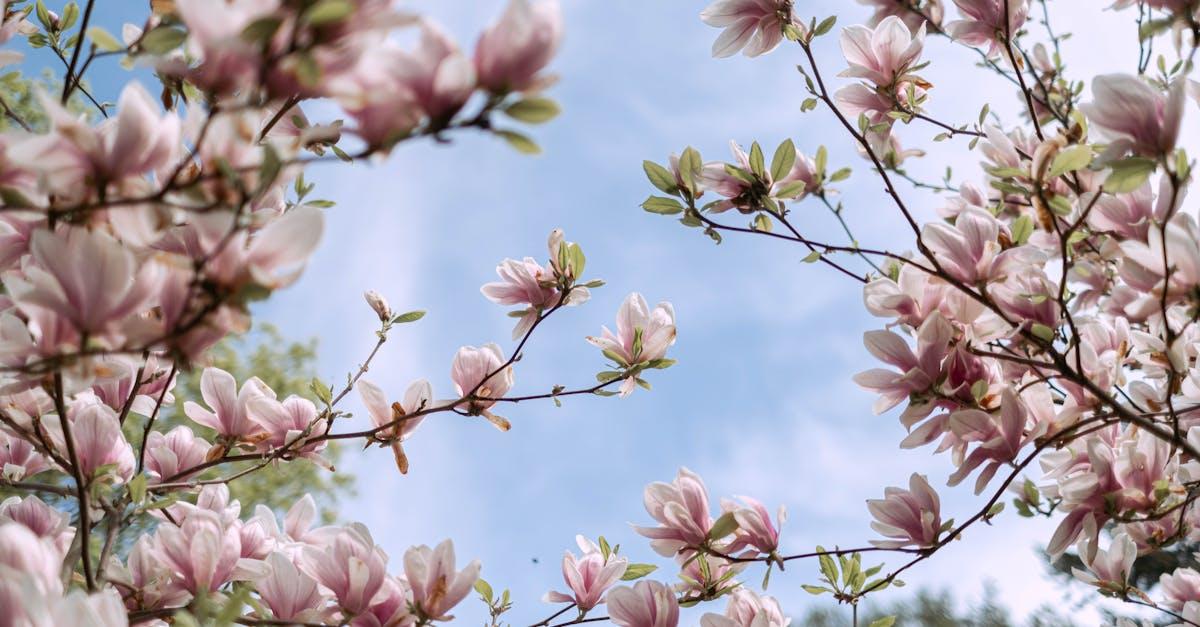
(289, 368)
(932, 609)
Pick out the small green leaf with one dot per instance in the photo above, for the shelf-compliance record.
(261, 30)
(1021, 229)
(825, 26)
(162, 40)
(69, 15)
(533, 110)
(784, 159)
(791, 190)
(411, 316)
(328, 12)
(1070, 160)
(484, 589)
(519, 142)
(137, 489)
(660, 177)
(637, 571)
(689, 167)
(662, 205)
(103, 40)
(886, 621)
(756, 160)
(815, 590)
(321, 390)
(723, 526)
(812, 257)
(1128, 174)
(1042, 332)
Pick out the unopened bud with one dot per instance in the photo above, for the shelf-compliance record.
(379, 304)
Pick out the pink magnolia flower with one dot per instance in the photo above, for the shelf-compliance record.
(747, 609)
(753, 26)
(985, 22)
(171, 454)
(480, 373)
(378, 304)
(391, 606)
(681, 509)
(931, 11)
(436, 584)
(749, 196)
(25, 555)
(285, 423)
(1134, 116)
(910, 517)
(203, 552)
(512, 52)
(18, 459)
(440, 76)
(588, 576)
(883, 55)
(229, 415)
(99, 441)
(643, 336)
(1108, 568)
(527, 283)
(1142, 267)
(705, 573)
(227, 61)
(291, 594)
(86, 277)
(755, 528)
(43, 520)
(419, 397)
(351, 566)
(379, 98)
(919, 372)
(646, 604)
(1000, 438)
(1180, 587)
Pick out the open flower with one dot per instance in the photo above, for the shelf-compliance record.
(170, 454)
(511, 53)
(753, 26)
(985, 22)
(481, 374)
(438, 73)
(393, 416)
(527, 283)
(290, 593)
(681, 509)
(229, 415)
(436, 585)
(588, 576)
(755, 528)
(643, 336)
(883, 55)
(747, 609)
(1135, 116)
(646, 604)
(910, 517)
(350, 565)
(1108, 568)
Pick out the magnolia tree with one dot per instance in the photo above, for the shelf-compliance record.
(1043, 332)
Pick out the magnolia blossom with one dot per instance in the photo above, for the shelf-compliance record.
(883, 55)
(527, 283)
(747, 609)
(481, 375)
(642, 338)
(351, 566)
(1106, 568)
(753, 26)
(436, 584)
(910, 517)
(40, 518)
(18, 459)
(286, 423)
(439, 74)
(175, 453)
(1134, 116)
(393, 420)
(511, 53)
(681, 509)
(646, 604)
(755, 528)
(588, 576)
(290, 593)
(229, 415)
(99, 442)
(986, 22)
(204, 551)
(378, 304)
(929, 11)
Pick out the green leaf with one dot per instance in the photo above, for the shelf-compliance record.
(321, 390)
(1128, 174)
(723, 526)
(328, 12)
(1042, 332)
(484, 589)
(825, 26)
(271, 165)
(637, 571)
(411, 316)
(1021, 229)
(812, 257)
(662, 205)
(791, 190)
(689, 168)
(886, 621)
(43, 16)
(137, 489)
(762, 223)
(533, 110)
(103, 40)
(840, 175)
(608, 375)
(784, 159)
(519, 142)
(660, 177)
(756, 160)
(261, 30)
(815, 590)
(69, 15)
(1070, 160)
(162, 40)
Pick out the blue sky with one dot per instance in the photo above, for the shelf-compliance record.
(761, 402)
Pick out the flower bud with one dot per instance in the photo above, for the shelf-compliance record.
(379, 304)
